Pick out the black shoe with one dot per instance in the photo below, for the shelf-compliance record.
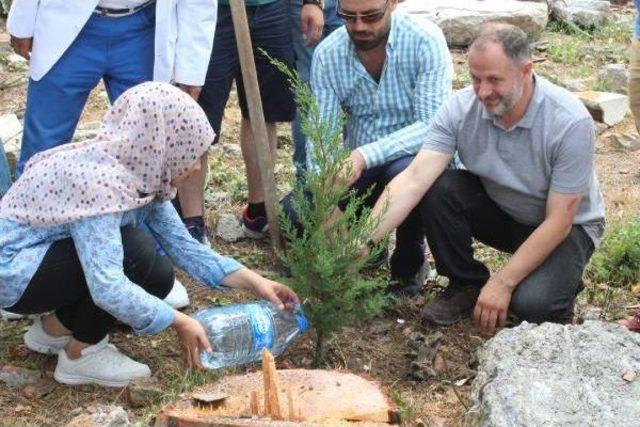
(198, 232)
(410, 286)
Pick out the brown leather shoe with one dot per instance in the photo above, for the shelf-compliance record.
(452, 305)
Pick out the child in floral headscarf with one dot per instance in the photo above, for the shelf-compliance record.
(70, 238)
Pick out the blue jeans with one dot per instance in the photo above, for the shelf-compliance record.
(304, 54)
(408, 256)
(5, 176)
(118, 50)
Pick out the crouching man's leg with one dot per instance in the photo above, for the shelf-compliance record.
(457, 209)
(409, 269)
(454, 211)
(548, 293)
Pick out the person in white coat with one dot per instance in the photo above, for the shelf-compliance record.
(72, 44)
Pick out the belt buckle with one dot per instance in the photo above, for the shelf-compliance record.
(106, 12)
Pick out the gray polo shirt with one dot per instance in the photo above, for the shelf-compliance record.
(550, 149)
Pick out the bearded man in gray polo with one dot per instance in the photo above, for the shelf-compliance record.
(529, 189)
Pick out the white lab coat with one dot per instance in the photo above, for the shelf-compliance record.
(183, 37)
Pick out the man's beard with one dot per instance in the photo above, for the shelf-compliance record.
(377, 40)
(507, 102)
(364, 45)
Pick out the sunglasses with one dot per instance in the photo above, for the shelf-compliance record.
(369, 18)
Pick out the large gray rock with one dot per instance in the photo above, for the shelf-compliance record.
(229, 228)
(559, 375)
(584, 13)
(460, 20)
(605, 107)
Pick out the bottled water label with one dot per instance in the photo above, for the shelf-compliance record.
(261, 326)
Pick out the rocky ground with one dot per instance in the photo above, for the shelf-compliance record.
(427, 370)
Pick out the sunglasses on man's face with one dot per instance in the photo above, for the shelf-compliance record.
(369, 18)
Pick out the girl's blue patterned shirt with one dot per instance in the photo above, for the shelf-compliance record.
(99, 246)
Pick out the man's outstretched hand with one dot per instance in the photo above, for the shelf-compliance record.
(492, 306)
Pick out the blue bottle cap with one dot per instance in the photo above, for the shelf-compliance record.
(301, 319)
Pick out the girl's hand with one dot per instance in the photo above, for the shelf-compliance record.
(193, 339)
(277, 293)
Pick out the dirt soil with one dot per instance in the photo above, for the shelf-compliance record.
(380, 349)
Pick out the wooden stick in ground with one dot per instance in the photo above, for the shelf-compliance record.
(253, 402)
(256, 116)
(270, 378)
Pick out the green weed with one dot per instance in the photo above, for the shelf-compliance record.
(404, 408)
(617, 263)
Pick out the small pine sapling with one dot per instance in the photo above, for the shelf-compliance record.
(325, 257)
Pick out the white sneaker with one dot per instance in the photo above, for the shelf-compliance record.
(178, 297)
(11, 316)
(101, 364)
(38, 340)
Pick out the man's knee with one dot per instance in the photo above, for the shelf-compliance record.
(536, 306)
(445, 189)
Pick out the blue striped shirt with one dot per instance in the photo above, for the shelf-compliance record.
(389, 119)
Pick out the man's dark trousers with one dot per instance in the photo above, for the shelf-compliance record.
(457, 209)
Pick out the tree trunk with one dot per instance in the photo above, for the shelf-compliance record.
(318, 359)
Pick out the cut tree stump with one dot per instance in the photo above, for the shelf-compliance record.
(313, 398)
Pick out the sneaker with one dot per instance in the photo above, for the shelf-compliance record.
(178, 297)
(199, 232)
(36, 339)
(254, 228)
(101, 364)
(11, 316)
(452, 305)
(410, 287)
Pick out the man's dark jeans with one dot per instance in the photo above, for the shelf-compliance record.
(457, 209)
(409, 253)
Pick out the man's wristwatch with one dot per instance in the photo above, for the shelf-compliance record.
(319, 3)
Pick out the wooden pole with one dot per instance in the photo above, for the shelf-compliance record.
(256, 116)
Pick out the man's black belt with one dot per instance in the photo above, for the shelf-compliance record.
(108, 11)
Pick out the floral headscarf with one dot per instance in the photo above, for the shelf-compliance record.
(153, 133)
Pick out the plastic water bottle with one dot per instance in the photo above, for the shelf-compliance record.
(239, 332)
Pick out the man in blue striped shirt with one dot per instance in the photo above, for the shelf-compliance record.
(388, 74)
